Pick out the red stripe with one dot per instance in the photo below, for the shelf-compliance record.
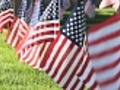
(43, 34)
(111, 80)
(83, 68)
(83, 87)
(69, 64)
(50, 50)
(47, 25)
(87, 80)
(75, 84)
(5, 12)
(74, 71)
(95, 85)
(106, 52)
(109, 66)
(62, 60)
(56, 55)
(33, 55)
(109, 21)
(27, 55)
(22, 41)
(4, 22)
(106, 38)
(10, 30)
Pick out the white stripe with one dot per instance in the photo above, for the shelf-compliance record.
(46, 29)
(72, 82)
(83, 62)
(23, 55)
(66, 77)
(6, 11)
(15, 41)
(92, 81)
(4, 19)
(43, 53)
(79, 86)
(36, 55)
(46, 22)
(12, 32)
(106, 60)
(86, 72)
(58, 60)
(38, 39)
(107, 30)
(112, 86)
(106, 75)
(47, 65)
(106, 45)
(31, 54)
(20, 34)
(4, 23)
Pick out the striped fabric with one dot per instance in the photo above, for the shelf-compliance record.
(38, 11)
(67, 53)
(35, 40)
(25, 10)
(104, 52)
(6, 13)
(90, 8)
(17, 32)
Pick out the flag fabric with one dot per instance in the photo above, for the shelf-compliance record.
(67, 52)
(6, 13)
(107, 3)
(19, 27)
(104, 52)
(17, 32)
(38, 11)
(25, 10)
(33, 48)
(46, 29)
(90, 8)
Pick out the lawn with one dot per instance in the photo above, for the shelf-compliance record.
(17, 76)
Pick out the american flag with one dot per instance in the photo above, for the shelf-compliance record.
(16, 32)
(104, 52)
(46, 29)
(38, 11)
(34, 47)
(6, 13)
(90, 8)
(25, 10)
(67, 52)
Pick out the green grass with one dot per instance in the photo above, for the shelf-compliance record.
(17, 76)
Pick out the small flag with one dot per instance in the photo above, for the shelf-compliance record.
(17, 32)
(25, 10)
(38, 11)
(104, 52)
(90, 8)
(46, 29)
(6, 13)
(34, 47)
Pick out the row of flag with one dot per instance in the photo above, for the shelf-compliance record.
(73, 58)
